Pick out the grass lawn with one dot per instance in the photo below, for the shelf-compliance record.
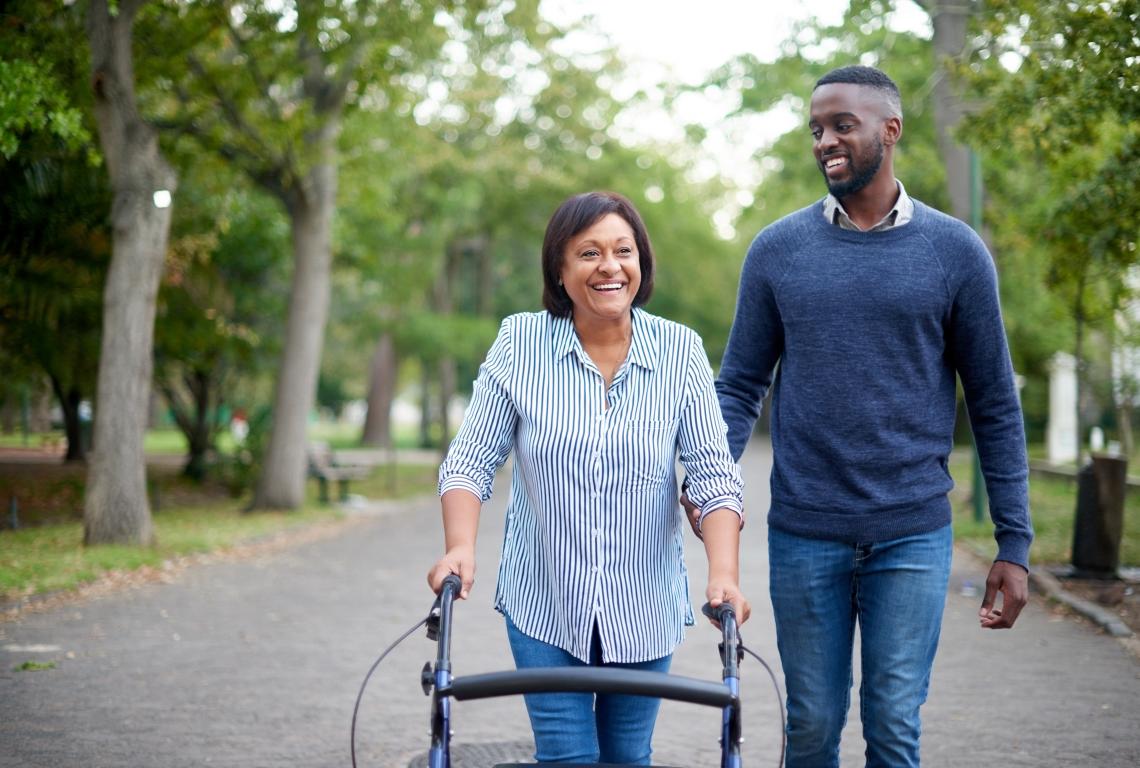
(1052, 504)
(52, 557)
(46, 553)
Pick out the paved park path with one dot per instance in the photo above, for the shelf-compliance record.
(256, 662)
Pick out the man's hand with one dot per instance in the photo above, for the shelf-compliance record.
(1013, 583)
(693, 513)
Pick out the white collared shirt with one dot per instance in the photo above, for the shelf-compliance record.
(900, 214)
(594, 533)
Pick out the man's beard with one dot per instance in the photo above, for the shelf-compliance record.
(863, 169)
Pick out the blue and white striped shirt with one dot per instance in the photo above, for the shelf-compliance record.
(594, 530)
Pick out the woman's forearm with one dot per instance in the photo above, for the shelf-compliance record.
(720, 530)
(460, 519)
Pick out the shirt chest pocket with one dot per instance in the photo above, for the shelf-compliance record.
(642, 453)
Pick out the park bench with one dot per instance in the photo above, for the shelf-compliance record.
(324, 466)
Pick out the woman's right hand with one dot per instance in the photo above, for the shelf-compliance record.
(461, 562)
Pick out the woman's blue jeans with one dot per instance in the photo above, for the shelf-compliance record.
(896, 590)
(582, 727)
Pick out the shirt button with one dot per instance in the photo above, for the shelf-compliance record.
(594, 569)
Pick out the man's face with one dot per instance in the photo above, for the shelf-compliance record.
(847, 123)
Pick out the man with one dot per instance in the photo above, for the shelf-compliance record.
(870, 303)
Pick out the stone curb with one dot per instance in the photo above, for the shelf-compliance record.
(1050, 586)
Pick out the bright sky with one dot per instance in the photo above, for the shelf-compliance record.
(682, 41)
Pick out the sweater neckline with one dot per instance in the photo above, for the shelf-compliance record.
(858, 236)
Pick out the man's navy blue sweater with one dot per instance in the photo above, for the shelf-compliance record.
(869, 330)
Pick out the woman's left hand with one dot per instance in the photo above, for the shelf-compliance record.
(724, 590)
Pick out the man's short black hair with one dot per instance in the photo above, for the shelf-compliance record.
(870, 77)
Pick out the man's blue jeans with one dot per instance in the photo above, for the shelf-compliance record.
(582, 727)
(896, 590)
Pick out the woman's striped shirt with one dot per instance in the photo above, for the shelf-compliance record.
(593, 530)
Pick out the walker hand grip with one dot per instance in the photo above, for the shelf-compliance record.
(718, 614)
(452, 582)
(731, 652)
(448, 591)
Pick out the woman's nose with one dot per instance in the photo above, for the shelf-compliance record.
(609, 263)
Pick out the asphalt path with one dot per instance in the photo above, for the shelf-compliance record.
(256, 661)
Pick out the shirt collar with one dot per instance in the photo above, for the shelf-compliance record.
(900, 214)
(642, 349)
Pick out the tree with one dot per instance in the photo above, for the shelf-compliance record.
(55, 200)
(951, 20)
(116, 509)
(1061, 92)
(220, 297)
(270, 88)
(55, 246)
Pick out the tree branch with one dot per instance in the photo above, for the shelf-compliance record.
(230, 109)
(259, 80)
(270, 173)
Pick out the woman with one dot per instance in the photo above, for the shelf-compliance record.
(596, 398)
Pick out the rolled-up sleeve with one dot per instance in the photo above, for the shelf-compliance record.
(713, 477)
(487, 433)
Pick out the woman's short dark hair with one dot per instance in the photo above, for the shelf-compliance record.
(579, 213)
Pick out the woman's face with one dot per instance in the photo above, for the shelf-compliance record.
(601, 270)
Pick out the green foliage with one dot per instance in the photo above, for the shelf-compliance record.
(34, 666)
(240, 470)
(41, 76)
(1071, 107)
(33, 101)
(1059, 122)
(55, 248)
(54, 243)
(218, 326)
(441, 217)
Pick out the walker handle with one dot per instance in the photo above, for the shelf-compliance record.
(731, 653)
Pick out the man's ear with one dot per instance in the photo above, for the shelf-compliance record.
(892, 131)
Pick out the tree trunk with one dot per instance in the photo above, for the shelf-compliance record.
(425, 406)
(282, 481)
(39, 410)
(1078, 353)
(1124, 419)
(193, 419)
(443, 298)
(447, 380)
(69, 401)
(950, 19)
(116, 509)
(485, 279)
(10, 414)
(381, 392)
